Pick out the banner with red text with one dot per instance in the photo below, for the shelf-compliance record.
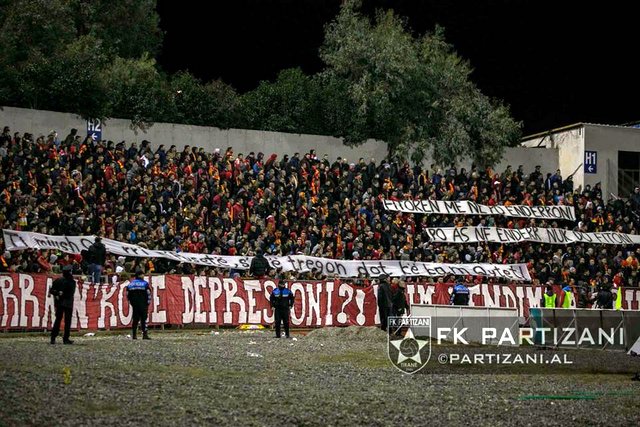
(189, 300)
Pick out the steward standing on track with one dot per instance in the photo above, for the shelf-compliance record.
(63, 289)
(460, 294)
(568, 296)
(549, 298)
(385, 301)
(604, 298)
(281, 301)
(139, 296)
(399, 298)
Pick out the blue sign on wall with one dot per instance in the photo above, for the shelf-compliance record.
(94, 129)
(590, 162)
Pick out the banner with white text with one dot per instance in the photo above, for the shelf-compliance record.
(531, 234)
(19, 240)
(466, 207)
(199, 300)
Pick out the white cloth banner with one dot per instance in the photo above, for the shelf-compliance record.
(531, 234)
(18, 240)
(466, 207)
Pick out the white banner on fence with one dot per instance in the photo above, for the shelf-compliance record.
(531, 234)
(18, 240)
(466, 207)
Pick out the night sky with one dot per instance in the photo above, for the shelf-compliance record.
(554, 65)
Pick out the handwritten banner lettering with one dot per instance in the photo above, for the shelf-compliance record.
(466, 207)
(531, 234)
(18, 240)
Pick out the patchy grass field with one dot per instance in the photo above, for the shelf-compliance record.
(329, 377)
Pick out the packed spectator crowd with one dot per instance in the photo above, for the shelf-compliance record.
(229, 203)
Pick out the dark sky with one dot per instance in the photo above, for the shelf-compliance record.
(554, 65)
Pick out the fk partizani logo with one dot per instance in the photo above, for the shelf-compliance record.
(410, 352)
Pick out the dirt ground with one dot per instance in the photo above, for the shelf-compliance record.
(332, 376)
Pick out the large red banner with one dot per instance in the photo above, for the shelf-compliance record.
(186, 300)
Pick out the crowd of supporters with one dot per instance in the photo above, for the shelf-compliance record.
(229, 203)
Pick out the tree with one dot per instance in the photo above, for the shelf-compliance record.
(280, 106)
(127, 28)
(137, 90)
(296, 102)
(68, 80)
(413, 93)
(31, 31)
(213, 104)
(62, 54)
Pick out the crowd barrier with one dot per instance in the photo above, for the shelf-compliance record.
(469, 322)
(585, 328)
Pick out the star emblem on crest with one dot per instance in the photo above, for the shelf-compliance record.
(409, 336)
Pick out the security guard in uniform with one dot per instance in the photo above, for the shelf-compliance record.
(568, 296)
(460, 295)
(619, 296)
(604, 298)
(385, 301)
(139, 296)
(549, 298)
(63, 289)
(281, 301)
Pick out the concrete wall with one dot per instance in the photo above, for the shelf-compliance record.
(607, 141)
(40, 122)
(569, 146)
(529, 158)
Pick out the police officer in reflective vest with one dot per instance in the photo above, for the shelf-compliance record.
(139, 296)
(568, 296)
(549, 298)
(460, 295)
(63, 289)
(281, 302)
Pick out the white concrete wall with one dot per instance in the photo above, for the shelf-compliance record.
(40, 122)
(607, 141)
(529, 158)
(569, 145)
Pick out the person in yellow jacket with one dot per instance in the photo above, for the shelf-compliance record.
(618, 303)
(568, 296)
(549, 298)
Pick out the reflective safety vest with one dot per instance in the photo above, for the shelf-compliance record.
(619, 299)
(549, 301)
(566, 303)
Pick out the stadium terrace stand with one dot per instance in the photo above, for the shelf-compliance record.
(230, 203)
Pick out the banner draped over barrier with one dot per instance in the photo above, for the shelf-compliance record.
(18, 240)
(185, 300)
(466, 207)
(531, 234)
